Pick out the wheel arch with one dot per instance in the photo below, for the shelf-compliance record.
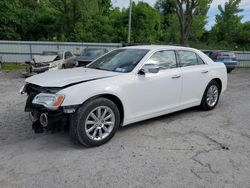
(114, 99)
(218, 80)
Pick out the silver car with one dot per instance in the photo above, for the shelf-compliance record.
(51, 60)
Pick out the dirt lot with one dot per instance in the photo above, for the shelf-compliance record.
(190, 148)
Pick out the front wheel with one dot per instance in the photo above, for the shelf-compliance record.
(95, 122)
(211, 96)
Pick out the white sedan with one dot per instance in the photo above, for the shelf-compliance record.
(124, 86)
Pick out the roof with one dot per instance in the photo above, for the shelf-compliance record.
(156, 47)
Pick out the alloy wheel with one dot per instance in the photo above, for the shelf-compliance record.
(212, 95)
(100, 123)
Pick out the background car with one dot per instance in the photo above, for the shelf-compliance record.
(226, 57)
(88, 55)
(51, 60)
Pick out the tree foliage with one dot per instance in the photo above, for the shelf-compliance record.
(8, 20)
(168, 22)
(228, 22)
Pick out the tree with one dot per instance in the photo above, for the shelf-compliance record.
(9, 20)
(183, 19)
(187, 11)
(145, 23)
(167, 8)
(190, 16)
(228, 23)
(244, 35)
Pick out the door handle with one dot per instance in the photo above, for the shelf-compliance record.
(204, 71)
(176, 76)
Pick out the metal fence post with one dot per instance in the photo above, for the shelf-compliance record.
(30, 51)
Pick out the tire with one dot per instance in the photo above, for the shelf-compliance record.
(101, 130)
(209, 104)
(63, 66)
(229, 70)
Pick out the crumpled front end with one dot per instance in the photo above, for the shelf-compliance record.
(39, 67)
(43, 105)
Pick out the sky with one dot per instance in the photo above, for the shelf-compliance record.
(245, 4)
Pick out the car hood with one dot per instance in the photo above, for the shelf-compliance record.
(67, 77)
(44, 58)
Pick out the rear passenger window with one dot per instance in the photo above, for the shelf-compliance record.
(164, 59)
(188, 58)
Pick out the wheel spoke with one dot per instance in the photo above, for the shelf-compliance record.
(100, 133)
(94, 134)
(107, 117)
(90, 129)
(93, 116)
(90, 122)
(99, 113)
(104, 113)
(108, 123)
(105, 129)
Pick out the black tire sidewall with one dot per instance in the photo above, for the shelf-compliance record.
(83, 113)
(204, 105)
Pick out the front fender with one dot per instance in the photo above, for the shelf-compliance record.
(78, 94)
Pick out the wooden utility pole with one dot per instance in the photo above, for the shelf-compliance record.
(129, 21)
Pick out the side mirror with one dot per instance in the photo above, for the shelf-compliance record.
(150, 68)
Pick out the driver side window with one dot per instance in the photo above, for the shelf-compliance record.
(165, 59)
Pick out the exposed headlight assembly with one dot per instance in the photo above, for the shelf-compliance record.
(52, 65)
(49, 101)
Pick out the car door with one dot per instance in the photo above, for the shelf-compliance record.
(194, 75)
(153, 93)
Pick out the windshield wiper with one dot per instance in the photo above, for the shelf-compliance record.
(98, 68)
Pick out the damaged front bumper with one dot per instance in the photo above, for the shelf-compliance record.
(37, 67)
(46, 116)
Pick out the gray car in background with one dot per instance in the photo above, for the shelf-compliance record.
(88, 55)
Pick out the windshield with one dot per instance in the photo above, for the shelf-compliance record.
(121, 60)
(93, 52)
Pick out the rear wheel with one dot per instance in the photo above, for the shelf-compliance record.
(63, 66)
(211, 96)
(95, 122)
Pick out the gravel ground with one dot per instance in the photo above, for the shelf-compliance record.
(190, 148)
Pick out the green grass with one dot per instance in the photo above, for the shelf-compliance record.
(12, 67)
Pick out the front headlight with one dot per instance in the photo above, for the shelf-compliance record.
(52, 65)
(49, 101)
